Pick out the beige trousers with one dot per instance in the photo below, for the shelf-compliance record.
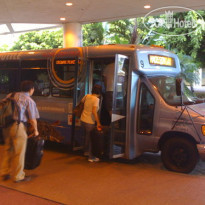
(14, 151)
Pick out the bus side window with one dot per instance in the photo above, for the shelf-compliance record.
(36, 71)
(145, 111)
(8, 80)
(40, 78)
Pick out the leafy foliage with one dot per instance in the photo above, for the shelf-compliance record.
(192, 44)
(189, 69)
(93, 34)
(120, 31)
(5, 47)
(38, 40)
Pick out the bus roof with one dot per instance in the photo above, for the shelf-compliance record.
(85, 52)
(113, 49)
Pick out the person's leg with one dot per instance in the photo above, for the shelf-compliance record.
(88, 147)
(20, 141)
(88, 144)
(91, 157)
(86, 140)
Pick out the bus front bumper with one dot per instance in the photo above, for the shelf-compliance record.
(201, 151)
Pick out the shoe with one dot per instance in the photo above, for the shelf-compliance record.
(25, 179)
(95, 159)
(6, 177)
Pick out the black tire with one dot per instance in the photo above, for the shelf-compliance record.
(179, 155)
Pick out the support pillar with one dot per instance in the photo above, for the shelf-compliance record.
(72, 35)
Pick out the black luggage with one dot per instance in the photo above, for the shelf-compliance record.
(98, 142)
(34, 152)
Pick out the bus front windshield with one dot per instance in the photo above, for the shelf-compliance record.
(166, 87)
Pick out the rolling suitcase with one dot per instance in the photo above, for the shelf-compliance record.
(97, 142)
(34, 152)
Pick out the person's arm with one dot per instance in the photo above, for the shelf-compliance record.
(33, 114)
(94, 112)
(33, 123)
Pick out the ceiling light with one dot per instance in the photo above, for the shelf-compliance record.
(69, 4)
(147, 6)
(62, 18)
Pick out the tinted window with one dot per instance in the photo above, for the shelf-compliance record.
(36, 71)
(145, 111)
(9, 81)
(40, 78)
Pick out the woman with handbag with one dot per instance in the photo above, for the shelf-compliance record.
(88, 118)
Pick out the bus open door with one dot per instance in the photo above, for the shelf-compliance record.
(81, 89)
(118, 126)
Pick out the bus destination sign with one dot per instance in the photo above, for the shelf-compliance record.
(161, 60)
(64, 62)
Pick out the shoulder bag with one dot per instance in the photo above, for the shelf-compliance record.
(79, 108)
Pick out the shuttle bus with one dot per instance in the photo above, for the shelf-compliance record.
(152, 110)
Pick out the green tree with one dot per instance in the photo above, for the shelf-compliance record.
(120, 31)
(189, 69)
(132, 31)
(93, 34)
(128, 31)
(4, 47)
(192, 44)
(38, 40)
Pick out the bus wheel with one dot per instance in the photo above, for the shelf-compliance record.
(179, 155)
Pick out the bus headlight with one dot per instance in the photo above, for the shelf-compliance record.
(203, 129)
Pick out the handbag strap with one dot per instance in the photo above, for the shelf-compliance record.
(83, 101)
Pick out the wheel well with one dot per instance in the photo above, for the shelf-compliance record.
(169, 135)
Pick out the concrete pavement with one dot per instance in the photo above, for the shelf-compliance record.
(69, 179)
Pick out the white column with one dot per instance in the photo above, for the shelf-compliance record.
(72, 35)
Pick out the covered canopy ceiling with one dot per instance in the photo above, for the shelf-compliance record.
(82, 11)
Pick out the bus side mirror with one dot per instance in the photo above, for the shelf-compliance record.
(178, 86)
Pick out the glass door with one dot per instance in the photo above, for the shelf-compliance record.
(80, 90)
(119, 107)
